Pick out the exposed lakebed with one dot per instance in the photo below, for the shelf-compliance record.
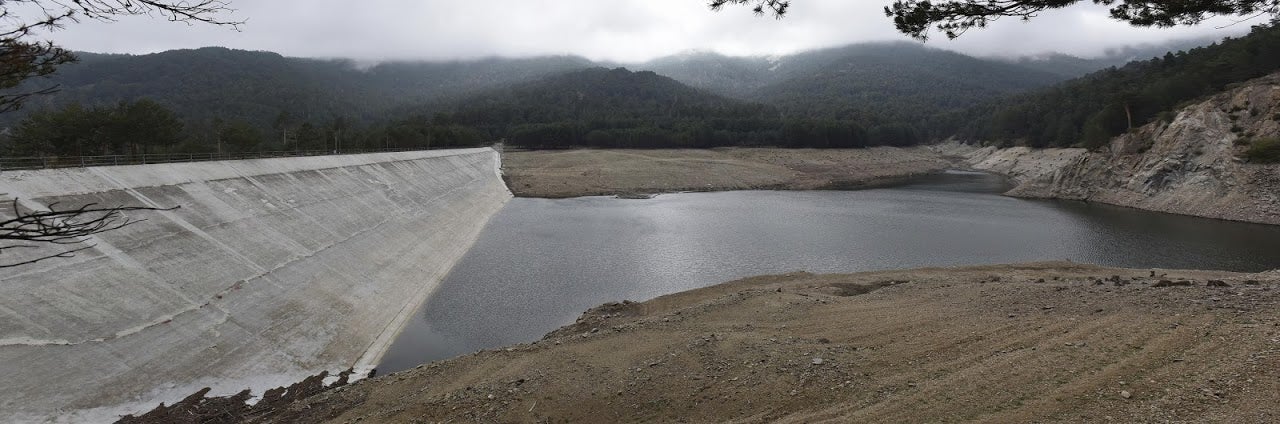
(540, 263)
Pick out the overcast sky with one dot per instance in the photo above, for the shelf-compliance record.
(618, 30)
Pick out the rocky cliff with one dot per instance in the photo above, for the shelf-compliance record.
(1187, 165)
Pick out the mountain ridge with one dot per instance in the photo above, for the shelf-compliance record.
(197, 82)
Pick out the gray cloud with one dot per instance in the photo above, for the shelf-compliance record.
(619, 30)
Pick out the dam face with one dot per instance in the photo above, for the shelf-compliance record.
(272, 270)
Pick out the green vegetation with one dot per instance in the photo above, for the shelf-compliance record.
(146, 126)
(871, 83)
(589, 108)
(954, 17)
(855, 96)
(27, 56)
(894, 83)
(1263, 150)
(619, 108)
(846, 97)
(1091, 110)
(205, 84)
(127, 128)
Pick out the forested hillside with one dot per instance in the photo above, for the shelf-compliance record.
(261, 87)
(870, 82)
(730, 76)
(893, 82)
(605, 107)
(1091, 110)
(1069, 66)
(619, 108)
(594, 107)
(859, 95)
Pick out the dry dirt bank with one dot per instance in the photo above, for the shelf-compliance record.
(1190, 165)
(1051, 342)
(589, 172)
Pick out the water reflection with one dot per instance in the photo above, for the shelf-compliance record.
(542, 262)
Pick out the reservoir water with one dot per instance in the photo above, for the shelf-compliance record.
(540, 263)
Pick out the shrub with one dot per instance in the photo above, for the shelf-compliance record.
(1263, 150)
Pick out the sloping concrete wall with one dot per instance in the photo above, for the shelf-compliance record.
(271, 270)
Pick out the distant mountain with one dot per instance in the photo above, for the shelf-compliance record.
(899, 90)
(1072, 67)
(892, 81)
(872, 81)
(599, 93)
(258, 87)
(1090, 110)
(612, 107)
(739, 77)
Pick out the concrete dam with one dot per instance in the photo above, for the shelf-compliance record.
(271, 270)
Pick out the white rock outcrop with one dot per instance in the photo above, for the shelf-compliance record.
(1190, 165)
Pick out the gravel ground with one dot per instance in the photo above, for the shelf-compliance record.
(1047, 342)
(574, 173)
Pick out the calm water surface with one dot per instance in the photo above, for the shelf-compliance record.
(540, 263)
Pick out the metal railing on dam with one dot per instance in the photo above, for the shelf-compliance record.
(51, 162)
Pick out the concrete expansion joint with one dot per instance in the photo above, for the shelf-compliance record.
(172, 216)
(184, 300)
(28, 341)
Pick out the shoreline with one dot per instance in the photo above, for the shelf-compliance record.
(368, 361)
(886, 182)
(611, 339)
(638, 174)
(930, 344)
(558, 174)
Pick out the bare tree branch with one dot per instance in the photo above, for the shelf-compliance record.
(20, 61)
(30, 229)
(64, 254)
(22, 58)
